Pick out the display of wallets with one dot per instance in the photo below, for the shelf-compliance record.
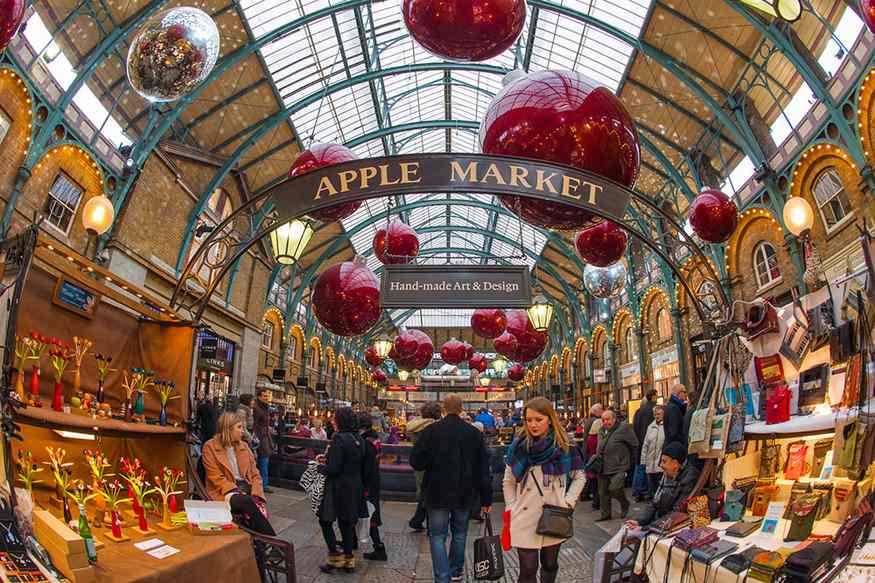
(741, 561)
(713, 551)
(742, 528)
(693, 538)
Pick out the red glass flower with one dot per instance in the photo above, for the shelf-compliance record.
(397, 244)
(346, 298)
(318, 156)
(713, 216)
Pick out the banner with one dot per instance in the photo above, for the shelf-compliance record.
(455, 286)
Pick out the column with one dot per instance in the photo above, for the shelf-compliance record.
(681, 345)
(791, 244)
(615, 373)
(643, 362)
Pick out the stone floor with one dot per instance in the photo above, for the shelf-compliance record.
(409, 559)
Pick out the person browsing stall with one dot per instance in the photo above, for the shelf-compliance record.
(679, 478)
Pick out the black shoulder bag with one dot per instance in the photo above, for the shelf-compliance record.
(555, 521)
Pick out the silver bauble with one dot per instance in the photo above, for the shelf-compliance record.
(605, 282)
(172, 53)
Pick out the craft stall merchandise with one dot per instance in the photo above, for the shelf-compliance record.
(786, 443)
(94, 453)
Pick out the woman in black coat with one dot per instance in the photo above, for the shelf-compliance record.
(371, 477)
(344, 490)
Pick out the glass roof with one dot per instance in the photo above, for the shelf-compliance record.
(355, 41)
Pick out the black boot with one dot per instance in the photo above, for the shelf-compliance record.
(378, 554)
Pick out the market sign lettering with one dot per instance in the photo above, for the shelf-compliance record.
(440, 286)
(448, 173)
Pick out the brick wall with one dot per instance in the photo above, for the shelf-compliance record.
(15, 102)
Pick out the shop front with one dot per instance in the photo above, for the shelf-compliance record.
(602, 393)
(666, 370)
(630, 381)
(215, 366)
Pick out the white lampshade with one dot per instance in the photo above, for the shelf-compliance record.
(798, 215)
(289, 241)
(789, 10)
(540, 313)
(499, 364)
(382, 346)
(97, 215)
(403, 375)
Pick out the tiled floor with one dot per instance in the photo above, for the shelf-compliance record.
(409, 559)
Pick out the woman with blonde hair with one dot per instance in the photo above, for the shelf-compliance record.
(232, 474)
(543, 468)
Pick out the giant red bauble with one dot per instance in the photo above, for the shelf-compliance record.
(469, 350)
(318, 156)
(378, 376)
(562, 117)
(11, 15)
(393, 354)
(477, 362)
(530, 342)
(405, 345)
(867, 8)
(603, 244)
(488, 322)
(372, 358)
(517, 372)
(506, 344)
(465, 30)
(396, 244)
(417, 348)
(453, 351)
(713, 216)
(346, 298)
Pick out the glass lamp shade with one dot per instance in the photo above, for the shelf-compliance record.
(289, 241)
(798, 215)
(484, 381)
(499, 364)
(540, 313)
(382, 346)
(403, 375)
(789, 10)
(98, 214)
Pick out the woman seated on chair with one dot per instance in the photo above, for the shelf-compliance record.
(232, 475)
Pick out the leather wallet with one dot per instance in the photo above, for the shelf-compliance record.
(693, 538)
(743, 528)
(669, 523)
(713, 551)
(809, 563)
(733, 505)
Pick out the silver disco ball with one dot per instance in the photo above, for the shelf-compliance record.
(605, 282)
(173, 53)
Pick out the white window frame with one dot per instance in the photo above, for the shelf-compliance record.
(848, 212)
(658, 331)
(771, 282)
(51, 197)
(5, 124)
(267, 325)
(631, 345)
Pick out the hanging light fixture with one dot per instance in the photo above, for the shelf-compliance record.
(97, 215)
(798, 215)
(789, 10)
(382, 346)
(540, 313)
(484, 380)
(289, 241)
(499, 364)
(403, 375)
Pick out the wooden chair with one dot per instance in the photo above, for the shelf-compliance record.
(275, 556)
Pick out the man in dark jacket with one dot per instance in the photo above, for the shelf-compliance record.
(617, 447)
(453, 456)
(640, 422)
(673, 419)
(262, 430)
(678, 481)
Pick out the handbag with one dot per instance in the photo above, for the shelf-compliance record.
(803, 514)
(313, 484)
(845, 443)
(488, 556)
(595, 464)
(693, 538)
(841, 342)
(849, 533)
(699, 436)
(555, 521)
(795, 466)
(713, 551)
(821, 448)
(505, 530)
(809, 563)
(697, 509)
(669, 523)
(769, 460)
(778, 404)
(762, 495)
(761, 318)
(765, 566)
(741, 561)
(733, 506)
(743, 528)
(798, 489)
(745, 485)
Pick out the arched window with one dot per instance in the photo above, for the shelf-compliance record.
(708, 295)
(292, 348)
(765, 264)
(631, 345)
(832, 200)
(267, 335)
(217, 210)
(663, 324)
(606, 354)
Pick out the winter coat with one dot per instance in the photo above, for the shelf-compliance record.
(526, 504)
(453, 455)
(371, 472)
(414, 429)
(617, 447)
(220, 477)
(345, 472)
(642, 419)
(673, 421)
(651, 449)
(245, 413)
(671, 493)
(261, 428)
(587, 425)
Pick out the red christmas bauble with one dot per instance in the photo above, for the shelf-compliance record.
(11, 15)
(562, 117)
(867, 8)
(415, 350)
(477, 362)
(506, 344)
(393, 354)
(398, 240)
(530, 342)
(517, 372)
(469, 350)
(713, 216)
(603, 244)
(404, 346)
(372, 358)
(346, 298)
(453, 351)
(318, 156)
(378, 376)
(488, 322)
(465, 30)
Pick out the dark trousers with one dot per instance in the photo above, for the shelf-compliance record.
(591, 490)
(253, 519)
(375, 535)
(548, 557)
(347, 535)
(606, 495)
(420, 515)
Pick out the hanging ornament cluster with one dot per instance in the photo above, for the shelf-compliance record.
(605, 282)
(378, 376)
(517, 372)
(396, 244)
(465, 30)
(453, 351)
(172, 53)
(477, 362)
(713, 216)
(346, 298)
(372, 358)
(11, 15)
(561, 117)
(413, 350)
(488, 322)
(319, 156)
(520, 341)
(602, 244)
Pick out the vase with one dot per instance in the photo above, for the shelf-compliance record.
(77, 380)
(141, 518)
(140, 404)
(135, 506)
(116, 527)
(67, 515)
(100, 390)
(173, 505)
(58, 399)
(19, 384)
(129, 409)
(162, 417)
(165, 518)
(34, 383)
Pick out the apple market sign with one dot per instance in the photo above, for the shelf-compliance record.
(455, 286)
(448, 173)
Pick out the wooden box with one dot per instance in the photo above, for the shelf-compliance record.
(65, 547)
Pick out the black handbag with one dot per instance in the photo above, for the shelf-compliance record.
(488, 556)
(555, 521)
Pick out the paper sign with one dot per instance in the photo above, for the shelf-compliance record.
(152, 543)
(163, 552)
(826, 471)
(864, 556)
(772, 517)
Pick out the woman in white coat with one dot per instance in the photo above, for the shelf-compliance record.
(651, 449)
(542, 468)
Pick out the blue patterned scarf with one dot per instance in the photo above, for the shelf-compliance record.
(543, 452)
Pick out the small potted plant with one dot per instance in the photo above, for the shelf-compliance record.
(38, 346)
(23, 353)
(111, 491)
(166, 483)
(78, 492)
(60, 355)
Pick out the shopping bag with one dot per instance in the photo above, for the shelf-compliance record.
(313, 484)
(488, 556)
(505, 531)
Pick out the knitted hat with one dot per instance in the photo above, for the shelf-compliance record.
(676, 451)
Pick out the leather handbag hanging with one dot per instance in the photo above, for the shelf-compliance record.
(555, 521)
(803, 514)
(778, 404)
(762, 495)
(761, 318)
(733, 506)
(821, 448)
(699, 436)
(769, 460)
(697, 508)
(795, 466)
